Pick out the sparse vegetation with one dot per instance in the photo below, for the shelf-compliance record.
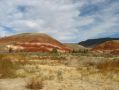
(59, 75)
(108, 66)
(84, 51)
(65, 70)
(54, 50)
(10, 50)
(34, 83)
(7, 68)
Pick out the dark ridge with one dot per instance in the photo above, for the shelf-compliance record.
(90, 43)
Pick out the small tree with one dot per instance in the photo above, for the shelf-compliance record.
(10, 50)
(54, 50)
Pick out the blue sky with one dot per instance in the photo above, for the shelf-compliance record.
(65, 20)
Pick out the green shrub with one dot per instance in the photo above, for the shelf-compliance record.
(54, 50)
(80, 51)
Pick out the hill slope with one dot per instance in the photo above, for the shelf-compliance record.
(94, 42)
(74, 46)
(33, 42)
(109, 46)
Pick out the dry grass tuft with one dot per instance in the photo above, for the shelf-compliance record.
(59, 75)
(35, 83)
(108, 65)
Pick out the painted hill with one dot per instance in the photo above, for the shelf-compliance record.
(108, 46)
(74, 46)
(33, 42)
(94, 42)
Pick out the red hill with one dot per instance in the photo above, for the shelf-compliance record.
(33, 42)
(109, 46)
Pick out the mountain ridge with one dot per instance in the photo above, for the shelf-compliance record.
(90, 43)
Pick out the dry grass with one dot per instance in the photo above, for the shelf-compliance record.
(104, 65)
(68, 73)
(10, 63)
(108, 66)
(34, 83)
(7, 68)
(59, 75)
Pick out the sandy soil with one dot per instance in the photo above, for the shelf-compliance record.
(72, 80)
(72, 74)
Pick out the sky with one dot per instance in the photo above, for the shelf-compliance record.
(65, 20)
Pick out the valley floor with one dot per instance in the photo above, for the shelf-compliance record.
(63, 76)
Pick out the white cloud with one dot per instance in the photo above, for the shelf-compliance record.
(59, 18)
(31, 24)
(49, 16)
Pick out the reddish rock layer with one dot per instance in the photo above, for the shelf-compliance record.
(109, 46)
(34, 42)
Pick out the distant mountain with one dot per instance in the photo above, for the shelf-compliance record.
(33, 42)
(94, 42)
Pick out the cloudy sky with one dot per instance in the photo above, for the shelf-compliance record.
(65, 20)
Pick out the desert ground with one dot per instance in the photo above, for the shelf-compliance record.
(59, 71)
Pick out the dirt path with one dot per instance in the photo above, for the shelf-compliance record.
(12, 84)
